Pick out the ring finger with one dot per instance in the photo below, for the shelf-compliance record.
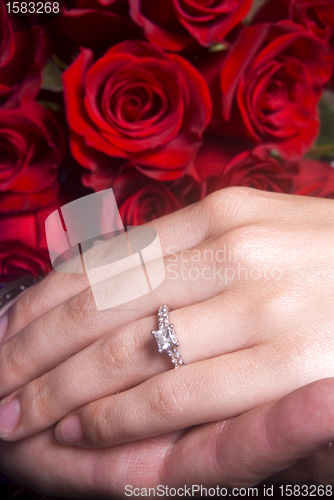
(123, 359)
(75, 324)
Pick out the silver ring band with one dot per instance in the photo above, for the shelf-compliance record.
(166, 338)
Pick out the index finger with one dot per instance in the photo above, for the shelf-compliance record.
(238, 452)
(177, 231)
(58, 287)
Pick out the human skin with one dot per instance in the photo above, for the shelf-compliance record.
(247, 342)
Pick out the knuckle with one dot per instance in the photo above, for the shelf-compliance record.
(111, 356)
(116, 353)
(96, 424)
(125, 354)
(27, 307)
(228, 194)
(80, 311)
(243, 242)
(21, 306)
(22, 311)
(37, 400)
(120, 351)
(165, 401)
(13, 360)
(231, 205)
(134, 346)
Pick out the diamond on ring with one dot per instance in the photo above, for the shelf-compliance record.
(166, 338)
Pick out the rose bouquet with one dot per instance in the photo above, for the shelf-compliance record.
(165, 102)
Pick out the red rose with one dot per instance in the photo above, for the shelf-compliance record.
(17, 259)
(216, 154)
(168, 23)
(274, 76)
(31, 148)
(102, 175)
(252, 169)
(315, 178)
(97, 24)
(22, 57)
(28, 227)
(141, 200)
(318, 17)
(139, 103)
(315, 15)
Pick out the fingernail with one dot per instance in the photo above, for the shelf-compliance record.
(70, 431)
(3, 325)
(10, 413)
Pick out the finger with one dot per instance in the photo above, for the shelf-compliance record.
(76, 323)
(205, 391)
(42, 464)
(245, 450)
(58, 287)
(216, 214)
(265, 441)
(201, 392)
(123, 359)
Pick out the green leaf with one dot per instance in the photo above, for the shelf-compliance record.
(59, 62)
(326, 108)
(275, 154)
(50, 105)
(51, 77)
(218, 47)
(324, 147)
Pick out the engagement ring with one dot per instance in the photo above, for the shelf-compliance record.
(166, 338)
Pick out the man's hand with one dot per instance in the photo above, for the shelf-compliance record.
(290, 435)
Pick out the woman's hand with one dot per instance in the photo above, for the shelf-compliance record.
(252, 311)
(290, 435)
